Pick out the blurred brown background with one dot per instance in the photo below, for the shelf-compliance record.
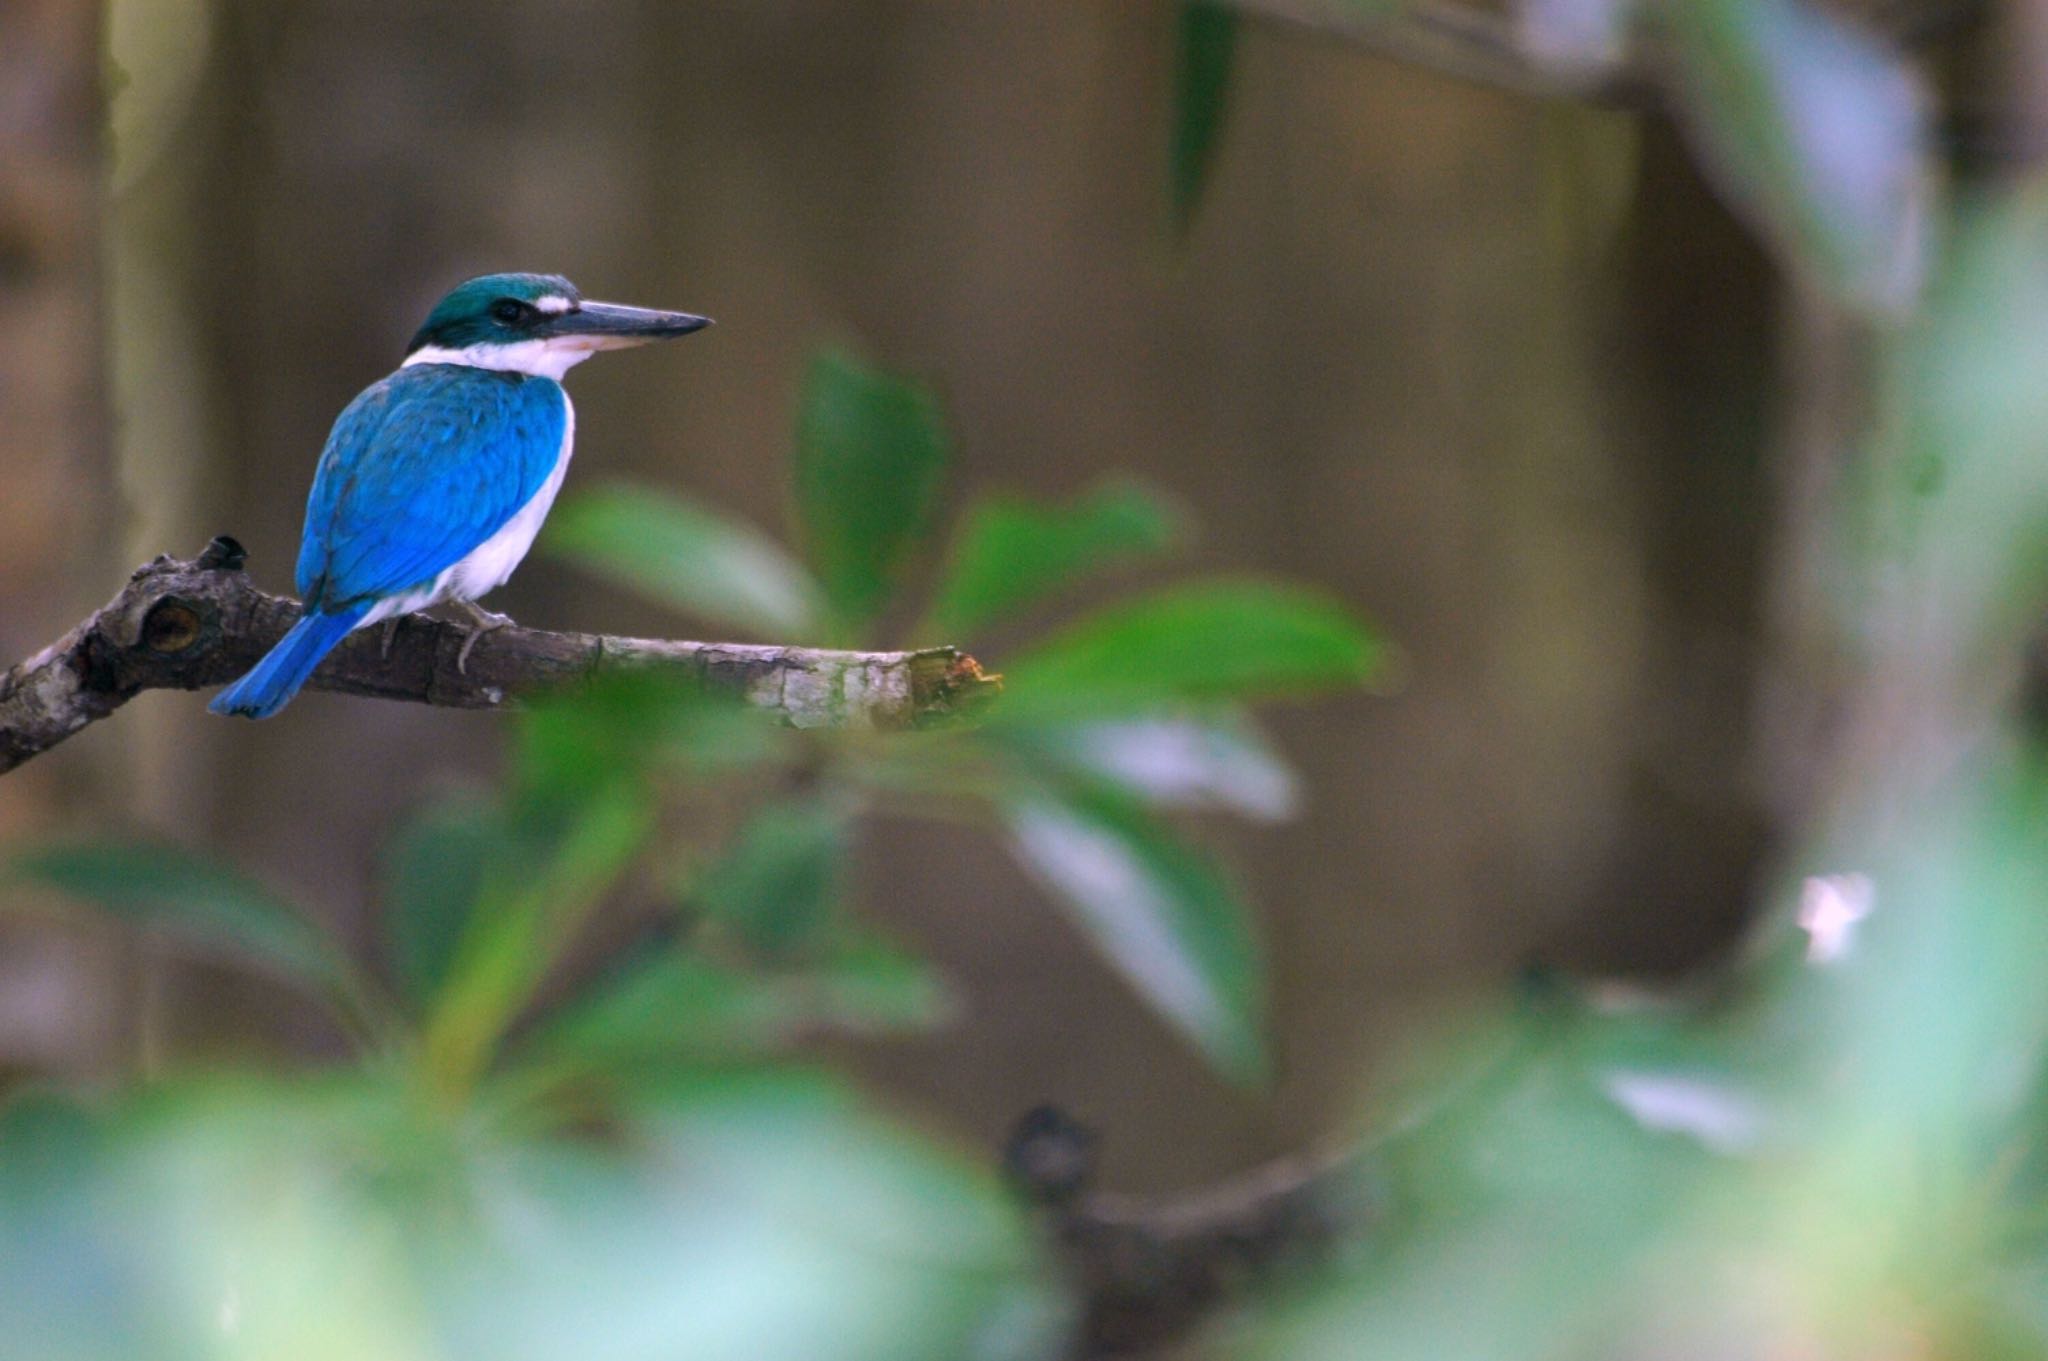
(1491, 369)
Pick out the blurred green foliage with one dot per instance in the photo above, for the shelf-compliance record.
(719, 1217)
(1833, 1150)
(198, 902)
(1838, 1148)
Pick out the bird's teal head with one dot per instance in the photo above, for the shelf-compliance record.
(534, 323)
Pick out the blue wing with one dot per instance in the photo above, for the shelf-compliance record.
(419, 470)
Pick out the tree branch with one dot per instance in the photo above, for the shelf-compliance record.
(1148, 1270)
(182, 625)
(1497, 48)
(1472, 43)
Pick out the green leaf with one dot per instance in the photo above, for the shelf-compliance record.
(529, 910)
(1161, 911)
(769, 1218)
(627, 723)
(1218, 761)
(781, 879)
(693, 559)
(1216, 640)
(870, 985)
(435, 870)
(1012, 554)
(739, 1217)
(1953, 510)
(1817, 133)
(871, 450)
(680, 1004)
(197, 901)
(1208, 44)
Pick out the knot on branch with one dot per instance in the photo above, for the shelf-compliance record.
(177, 625)
(224, 554)
(1050, 1156)
(172, 626)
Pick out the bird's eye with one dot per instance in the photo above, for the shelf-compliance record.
(510, 311)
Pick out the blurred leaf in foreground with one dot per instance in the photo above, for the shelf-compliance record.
(240, 1228)
(870, 454)
(1213, 640)
(531, 906)
(1960, 513)
(1818, 133)
(1214, 761)
(780, 880)
(629, 725)
(194, 900)
(1837, 1156)
(1162, 912)
(1207, 36)
(675, 1005)
(1939, 999)
(765, 1219)
(689, 558)
(1527, 1215)
(435, 871)
(1011, 554)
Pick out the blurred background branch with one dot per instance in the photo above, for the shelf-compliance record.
(1600, 55)
(1148, 1270)
(1474, 43)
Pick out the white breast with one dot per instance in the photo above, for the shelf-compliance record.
(489, 565)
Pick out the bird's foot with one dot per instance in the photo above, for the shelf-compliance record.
(482, 621)
(390, 636)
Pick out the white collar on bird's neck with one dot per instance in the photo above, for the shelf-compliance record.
(549, 358)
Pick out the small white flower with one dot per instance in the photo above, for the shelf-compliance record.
(1830, 905)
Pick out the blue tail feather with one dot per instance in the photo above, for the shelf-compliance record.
(272, 682)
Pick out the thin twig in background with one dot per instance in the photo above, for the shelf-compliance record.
(1466, 42)
(1493, 47)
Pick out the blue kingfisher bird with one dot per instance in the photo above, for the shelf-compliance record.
(436, 479)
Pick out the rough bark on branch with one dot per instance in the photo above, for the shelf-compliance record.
(1149, 1270)
(180, 625)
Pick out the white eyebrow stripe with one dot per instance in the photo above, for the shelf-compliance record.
(553, 304)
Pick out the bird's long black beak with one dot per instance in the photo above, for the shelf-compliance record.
(612, 326)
